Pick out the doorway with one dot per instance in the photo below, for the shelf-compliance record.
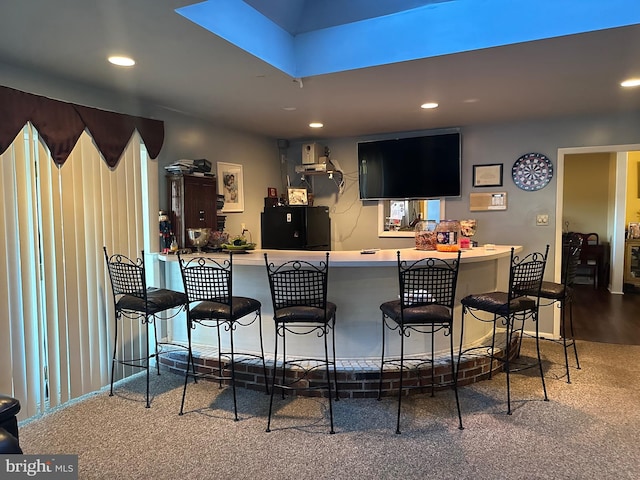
(616, 207)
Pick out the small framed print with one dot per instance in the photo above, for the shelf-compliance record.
(272, 192)
(231, 184)
(634, 231)
(487, 175)
(297, 196)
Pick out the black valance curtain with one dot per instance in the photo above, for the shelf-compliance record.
(60, 124)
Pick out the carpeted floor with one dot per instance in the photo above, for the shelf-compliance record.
(588, 430)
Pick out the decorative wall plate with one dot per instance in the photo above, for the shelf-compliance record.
(532, 171)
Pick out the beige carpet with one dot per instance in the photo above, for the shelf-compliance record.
(588, 430)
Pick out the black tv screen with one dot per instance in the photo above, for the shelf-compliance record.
(415, 167)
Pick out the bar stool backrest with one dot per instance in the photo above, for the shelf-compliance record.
(127, 276)
(525, 277)
(298, 283)
(207, 279)
(428, 281)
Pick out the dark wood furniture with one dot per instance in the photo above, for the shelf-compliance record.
(192, 204)
(632, 262)
(594, 260)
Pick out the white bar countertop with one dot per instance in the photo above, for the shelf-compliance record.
(354, 258)
(357, 291)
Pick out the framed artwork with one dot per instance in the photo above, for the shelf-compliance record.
(272, 192)
(231, 185)
(297, 196)
(634, 231)
(487, 175)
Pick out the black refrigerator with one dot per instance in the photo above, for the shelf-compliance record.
(296, 228)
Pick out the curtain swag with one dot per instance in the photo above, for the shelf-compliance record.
(60, 124)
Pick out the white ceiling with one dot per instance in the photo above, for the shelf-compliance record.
(183, 67)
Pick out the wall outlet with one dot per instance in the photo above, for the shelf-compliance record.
(542, 219)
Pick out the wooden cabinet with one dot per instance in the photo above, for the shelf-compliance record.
(632, 262)
(192, 204)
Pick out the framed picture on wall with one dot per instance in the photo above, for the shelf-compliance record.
(634, 231)
(487, 175)
(297, 196)
(231, 185)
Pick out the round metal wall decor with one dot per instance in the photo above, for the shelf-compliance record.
(532, 171)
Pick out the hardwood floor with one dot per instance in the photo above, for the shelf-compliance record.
(599, 316)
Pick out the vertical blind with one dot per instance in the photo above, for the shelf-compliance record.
(56, 336)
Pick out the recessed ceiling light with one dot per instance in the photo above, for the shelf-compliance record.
(632, 82)
(471, 100)
(429, 105)
(289, 109)
(122, 61)
(316, 125)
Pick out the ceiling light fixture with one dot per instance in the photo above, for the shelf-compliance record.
(316, 125)
(122, 61)
(429, 105)
(632, 82)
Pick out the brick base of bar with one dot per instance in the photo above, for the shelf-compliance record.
(356, 379)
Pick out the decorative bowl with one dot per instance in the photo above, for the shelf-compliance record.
(199, 237)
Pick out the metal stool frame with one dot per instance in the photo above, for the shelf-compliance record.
(427, 296)
(132, 299)
(208, 283)
(520, 303)
(299, 295)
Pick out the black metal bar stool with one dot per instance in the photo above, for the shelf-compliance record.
(208, 283)
(300, 307)
(133, 300)
(520, 303)
(561, 294)
(425, 306)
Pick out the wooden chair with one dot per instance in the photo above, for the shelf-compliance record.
(591, 257)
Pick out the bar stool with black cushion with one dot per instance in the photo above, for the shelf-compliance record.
(208, 283)
(300, 307)
(133, 300)
(561, 294)
(9, 437)
(520, 303)
(425, 306)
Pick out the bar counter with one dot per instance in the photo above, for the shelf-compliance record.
(358, 284)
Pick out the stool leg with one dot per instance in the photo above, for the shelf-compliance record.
(219, 354)
(573, 337)
(284, 357)
(493, 345)
(115, 349)
(401, 331)
(233, 370)
(273, 378)
(155, 339)
(454, 376)
(326, 359)
(433, 367)
(264, 364)
(335, 369)
(564, 337)
(146, 342)
(381, 360)
(544, 386)
(189, 362)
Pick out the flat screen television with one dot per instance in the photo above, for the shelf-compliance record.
(414, 167)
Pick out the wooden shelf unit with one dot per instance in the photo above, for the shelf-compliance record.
(192, 204)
